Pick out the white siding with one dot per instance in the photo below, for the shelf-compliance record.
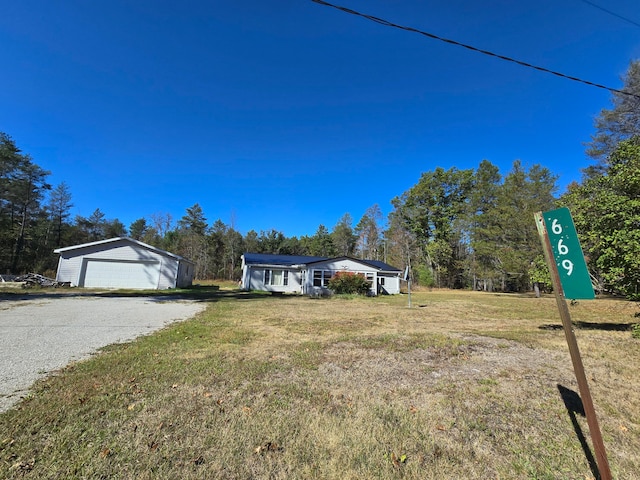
(69, 270)
(339, 265)
(246, 271)
(254, 280)
(185, 275)
(256, 276)
(168, 273)
(391, 283)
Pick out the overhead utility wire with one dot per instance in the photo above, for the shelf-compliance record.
(470, 47)
(611, 13)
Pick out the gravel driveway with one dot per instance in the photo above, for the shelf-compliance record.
(42, 334)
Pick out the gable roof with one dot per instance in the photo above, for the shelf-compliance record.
(290, 260)
(284, 260)
(381, 265)
(117, 239)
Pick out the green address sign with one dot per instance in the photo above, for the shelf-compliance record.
(567, 254)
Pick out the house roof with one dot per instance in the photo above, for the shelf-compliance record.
(381, 265)
(125, 239)
(290, 260)
(284, 260)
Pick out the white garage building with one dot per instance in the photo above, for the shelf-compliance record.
(122, 263)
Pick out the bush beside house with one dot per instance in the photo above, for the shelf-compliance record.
(348, 282)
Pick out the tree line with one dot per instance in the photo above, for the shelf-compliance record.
(454, 228)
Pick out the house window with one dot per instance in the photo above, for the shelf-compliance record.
(321, 278)
(277, 278)
(381, 280)
(368, 276)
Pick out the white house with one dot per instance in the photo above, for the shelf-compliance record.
(310, 275)
(122, 263)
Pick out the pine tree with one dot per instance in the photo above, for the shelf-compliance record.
(343, 237)
(60, 210)
(621, 122)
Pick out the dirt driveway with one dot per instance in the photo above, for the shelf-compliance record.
(42, 334)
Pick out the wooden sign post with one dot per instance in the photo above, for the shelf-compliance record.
(570, 279)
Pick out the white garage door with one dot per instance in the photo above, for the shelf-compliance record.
(114, 274)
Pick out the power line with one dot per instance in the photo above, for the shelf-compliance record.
(387, 23)
(611, 13)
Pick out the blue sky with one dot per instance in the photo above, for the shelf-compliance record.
(286, 114)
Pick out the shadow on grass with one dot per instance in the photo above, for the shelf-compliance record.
(573, 404)
(608, 327)
(208, 293)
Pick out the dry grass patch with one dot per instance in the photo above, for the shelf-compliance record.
(463, 385)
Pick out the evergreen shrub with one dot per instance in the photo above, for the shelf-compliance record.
(348, 282)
